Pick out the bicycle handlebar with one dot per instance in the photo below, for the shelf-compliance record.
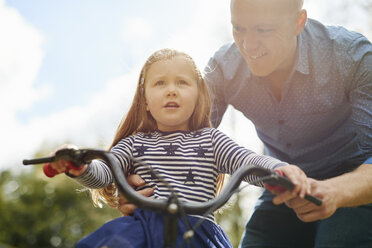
(75, 160)
(84, 156)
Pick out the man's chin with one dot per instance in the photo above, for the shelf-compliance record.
(259, 73)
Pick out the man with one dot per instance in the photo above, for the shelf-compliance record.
(308, 90)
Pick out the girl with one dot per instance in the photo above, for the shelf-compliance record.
(168, 127)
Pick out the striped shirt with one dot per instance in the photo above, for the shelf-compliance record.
(188, 161)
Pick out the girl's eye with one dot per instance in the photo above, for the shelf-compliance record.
(182, 82)
(159, 83)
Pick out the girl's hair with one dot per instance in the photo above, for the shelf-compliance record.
(139, 119)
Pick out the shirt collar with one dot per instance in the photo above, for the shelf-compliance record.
(302, 51)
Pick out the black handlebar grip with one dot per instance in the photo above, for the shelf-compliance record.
(38, 160)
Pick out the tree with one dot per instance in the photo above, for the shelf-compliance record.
(234, 215)
(39, 212)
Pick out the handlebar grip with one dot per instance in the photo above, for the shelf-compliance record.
(50, 172)
(38, 160)
(288, 185)
(277, 187)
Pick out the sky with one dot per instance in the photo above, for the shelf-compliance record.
(68, 69)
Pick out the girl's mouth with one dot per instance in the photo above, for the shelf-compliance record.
(171, 105)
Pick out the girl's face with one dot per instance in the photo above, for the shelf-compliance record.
(171, 93)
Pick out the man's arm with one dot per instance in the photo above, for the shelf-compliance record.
(353, 188)
(214, 77)
(348, 190)
(125, 207)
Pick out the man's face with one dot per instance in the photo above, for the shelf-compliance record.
(265, 32)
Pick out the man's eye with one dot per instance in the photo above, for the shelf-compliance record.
(238, 29)
(264, 30)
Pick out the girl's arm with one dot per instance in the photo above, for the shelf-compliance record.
(94, 175)
(230, 156)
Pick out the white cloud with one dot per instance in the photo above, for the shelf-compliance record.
(21, 57)
(85, 126)
(137, 27)
(209, 29)
(348, 13)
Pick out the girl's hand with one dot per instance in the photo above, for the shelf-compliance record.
(62, 166)
(299, 180)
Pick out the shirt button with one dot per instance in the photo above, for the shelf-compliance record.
(288, 145)
(281, 122)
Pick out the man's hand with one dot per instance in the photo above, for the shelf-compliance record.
(307, 211)
(348, 190)
(127, 208)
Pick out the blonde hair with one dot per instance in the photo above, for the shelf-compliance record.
(138, 119)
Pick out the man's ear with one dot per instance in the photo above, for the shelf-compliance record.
(301, 21)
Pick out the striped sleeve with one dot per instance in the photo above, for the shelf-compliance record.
(98, 174)
(229, 156)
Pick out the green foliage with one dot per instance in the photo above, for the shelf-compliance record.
(36, 211)
(233, 216)
(230, 220)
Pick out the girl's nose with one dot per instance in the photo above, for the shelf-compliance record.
(171, 93)
(171, 90)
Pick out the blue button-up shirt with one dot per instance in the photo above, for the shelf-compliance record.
(323, 122)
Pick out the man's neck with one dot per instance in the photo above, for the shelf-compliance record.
(278, 78)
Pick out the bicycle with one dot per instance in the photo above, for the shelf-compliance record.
(172, 208)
